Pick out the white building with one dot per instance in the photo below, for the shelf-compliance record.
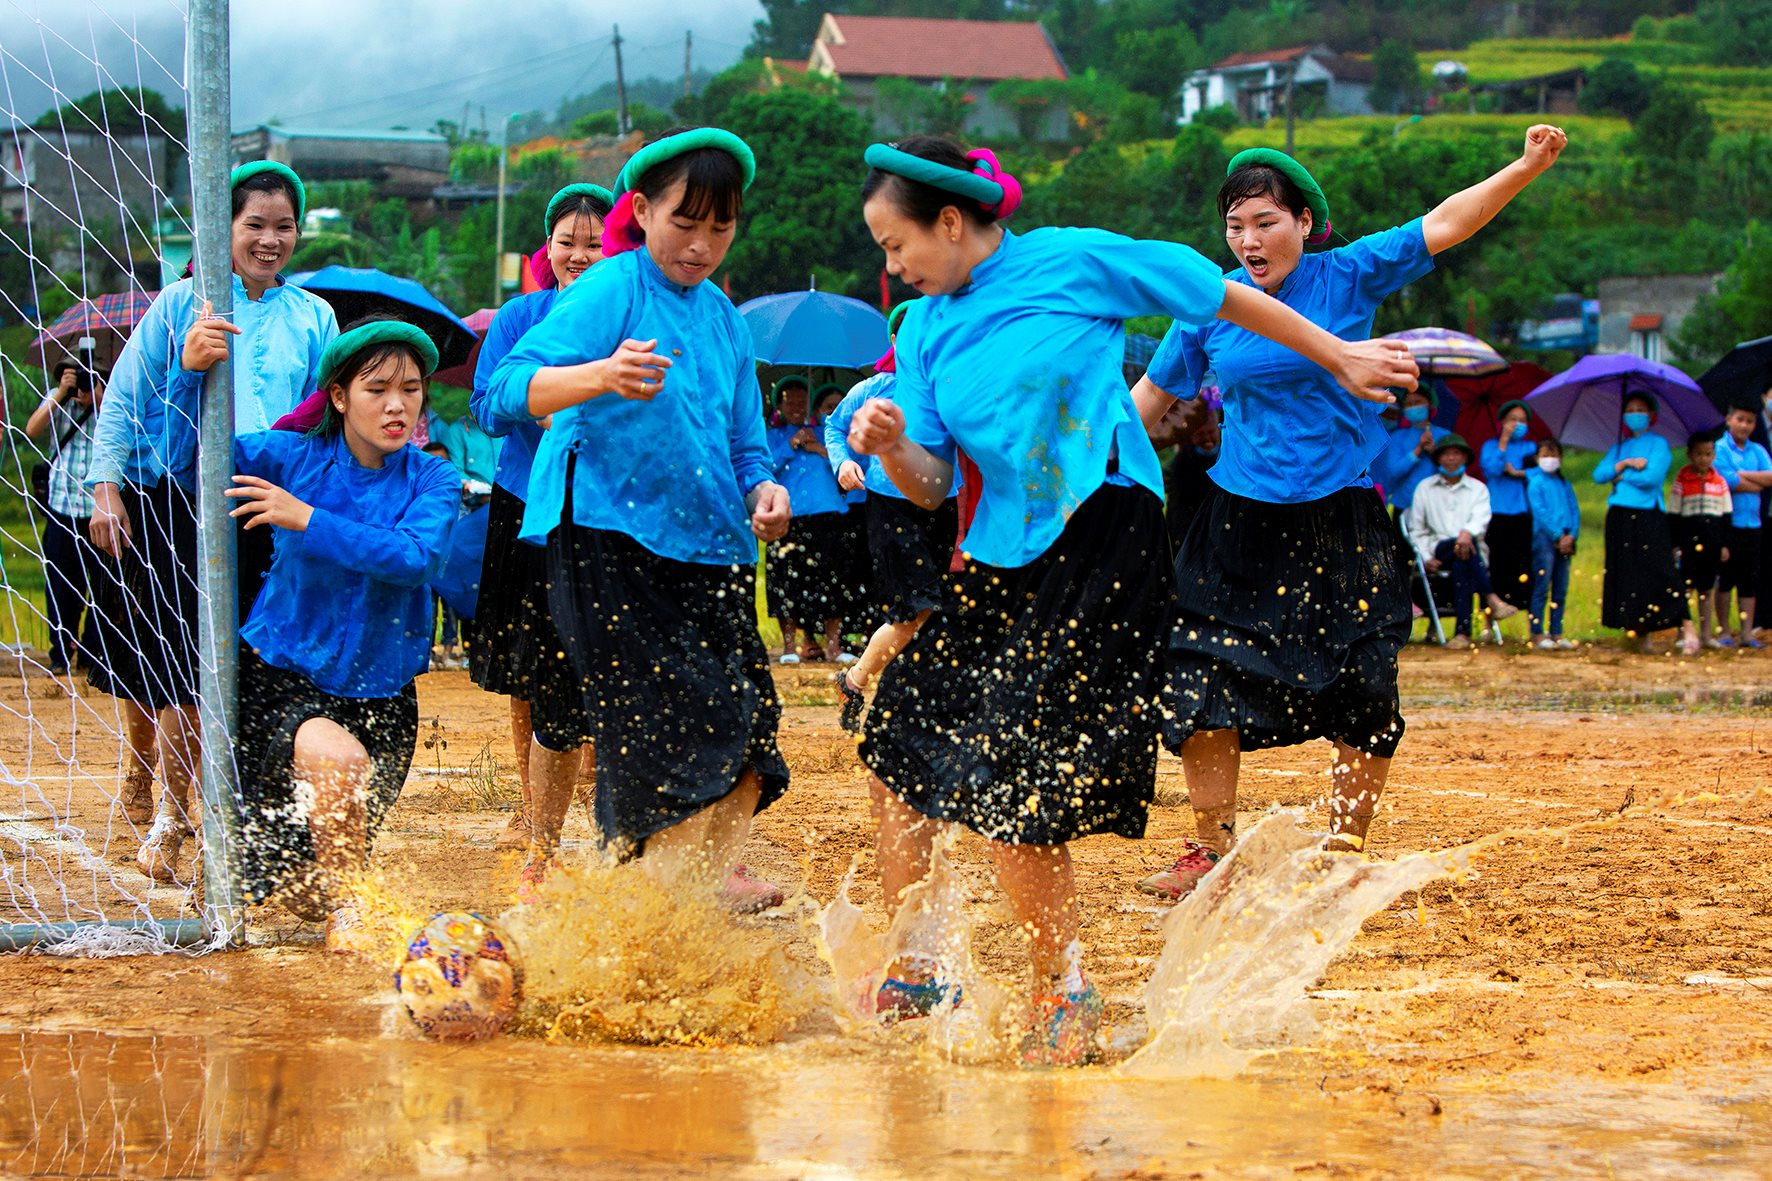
(1254, 84)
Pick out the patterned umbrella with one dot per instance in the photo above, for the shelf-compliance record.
(108, 320)
(1442, 352)
(1585, 404)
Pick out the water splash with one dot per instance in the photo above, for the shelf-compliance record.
(1242, 950)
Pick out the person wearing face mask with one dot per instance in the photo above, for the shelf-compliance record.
(1640, 590)
(1408, 455)
(1294, 594)
(515, 647)
(144, 467)
(1747, 467)
(1447, 521)
(1556, 525)
(1505, 460)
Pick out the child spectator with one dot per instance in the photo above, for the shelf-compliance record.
(1747, 467)
(1446, 521)
(1556, 524)
(1698, 508)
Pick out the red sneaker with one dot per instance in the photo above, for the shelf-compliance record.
(744, 894)
(1179, 880)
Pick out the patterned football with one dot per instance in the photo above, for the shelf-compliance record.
(458, 981)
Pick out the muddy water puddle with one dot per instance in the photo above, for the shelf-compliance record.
(89, 1103)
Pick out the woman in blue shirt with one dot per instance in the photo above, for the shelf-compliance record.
(909, 547)
(1026, 709)
(1640, 590)
(516, 649)
(650, 489)
(144, 466)
(1506, 460)
(802, 576)
(328, 709)
(1294, 600)
(851, 568)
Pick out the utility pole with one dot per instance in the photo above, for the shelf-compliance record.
(688, 50)
(621, 89)
(498, 252)
(1291, 77)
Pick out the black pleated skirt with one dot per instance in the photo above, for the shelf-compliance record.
(1641, 589)
(910, 549)
(153, 660)
(1291, 620)
(675, 681)
(515, 648)
(807, 573)
(276, 843)
(1026, 708)
(1510, 557)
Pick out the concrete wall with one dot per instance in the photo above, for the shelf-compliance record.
(985, 116)
(1671, 297)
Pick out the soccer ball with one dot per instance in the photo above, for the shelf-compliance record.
(458, 981)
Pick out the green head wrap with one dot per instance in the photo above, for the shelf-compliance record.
(671, 146)
(971, 185)
(1506, 406)
(896, 317)
(570, 195)
(246, 172)
(782, 383)
(1295, 172)
(348, 344)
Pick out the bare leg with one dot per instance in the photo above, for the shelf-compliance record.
(833, 639)
(1359, 781)
(1744, 604)
(1707, 611)
(139, 757)
(788, 636)
(1210, 761)
(700, 851)
(336, 767)
(903, 840)
(1042, 891)
(516, 833)
(553, 777)
(174, 815)
(883, 647)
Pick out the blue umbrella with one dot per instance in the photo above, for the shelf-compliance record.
(813, 328)
(354, 292)
(1584, 405)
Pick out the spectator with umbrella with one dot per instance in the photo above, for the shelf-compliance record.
(1747, 468)
(1505, 460)
(143, 471)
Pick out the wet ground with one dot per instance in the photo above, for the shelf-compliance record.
(1596, 1000)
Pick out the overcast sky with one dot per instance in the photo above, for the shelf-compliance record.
(362, 63)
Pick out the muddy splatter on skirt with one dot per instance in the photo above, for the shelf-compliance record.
(676, 682)
(1291, 620)
(1026, 708)
(516, 649)
(910, 549)
(807, 573)
(275, 840)
(1640, 589)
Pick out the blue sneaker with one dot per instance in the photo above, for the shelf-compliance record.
(1062, 1029)
(906, 1000)
(1750, 642)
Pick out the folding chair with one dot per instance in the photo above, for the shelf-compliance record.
(1431, 582)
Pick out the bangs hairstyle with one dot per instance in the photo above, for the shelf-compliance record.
(370, 359)
(583, 205)
(1554, 443)
(713, 182)
(1261, 180)
(264, 182)
(920, 202)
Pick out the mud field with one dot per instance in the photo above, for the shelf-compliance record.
(1593, 999)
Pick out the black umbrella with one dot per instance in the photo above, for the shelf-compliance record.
(1742, 377)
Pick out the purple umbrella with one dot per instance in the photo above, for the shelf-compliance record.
(1584, 406)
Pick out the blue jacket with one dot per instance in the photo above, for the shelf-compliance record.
(673, 472)
(1631, 488)
(1731, 462)
(1555, 510)
(1399, 469)
(147, 426)
(812, 487)
(347, 603)
(1507, 494)
(521, 434)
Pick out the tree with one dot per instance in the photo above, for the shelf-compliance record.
(940, 109)
(1396, 79)
(1737, 32)
(803, 213)
(787, 28)
(1674, 130)
(118, 112)
(643, 117)
(1614, 87)
(1154, 61)
(1740, 310)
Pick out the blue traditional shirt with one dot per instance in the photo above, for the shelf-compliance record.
(1399, 469)
(1555, 511)
(1021, 367)
(1631, 488)
(472, 449)
(522, 434)
(812, 488)
(673, 472)
(347, 602)
(836, 437)
(1291, 434)
(1731, 462)
(1507, 494)
(147, 426)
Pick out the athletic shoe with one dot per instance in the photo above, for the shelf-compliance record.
(1750, 642)
(1564, 645)
(1179, 880)
(907, 1000)
(137, 798)
(854, 704)
(1720, 642)
(1062, 1029)
(531, 877)
(845, 658)
(1545, 644)
(744, 894)
(1458, 643)
(788, 658)
(158, 856)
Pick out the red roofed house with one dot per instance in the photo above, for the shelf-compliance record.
(1254, 84)
(859, 51)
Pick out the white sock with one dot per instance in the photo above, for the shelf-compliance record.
(1072, 980)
